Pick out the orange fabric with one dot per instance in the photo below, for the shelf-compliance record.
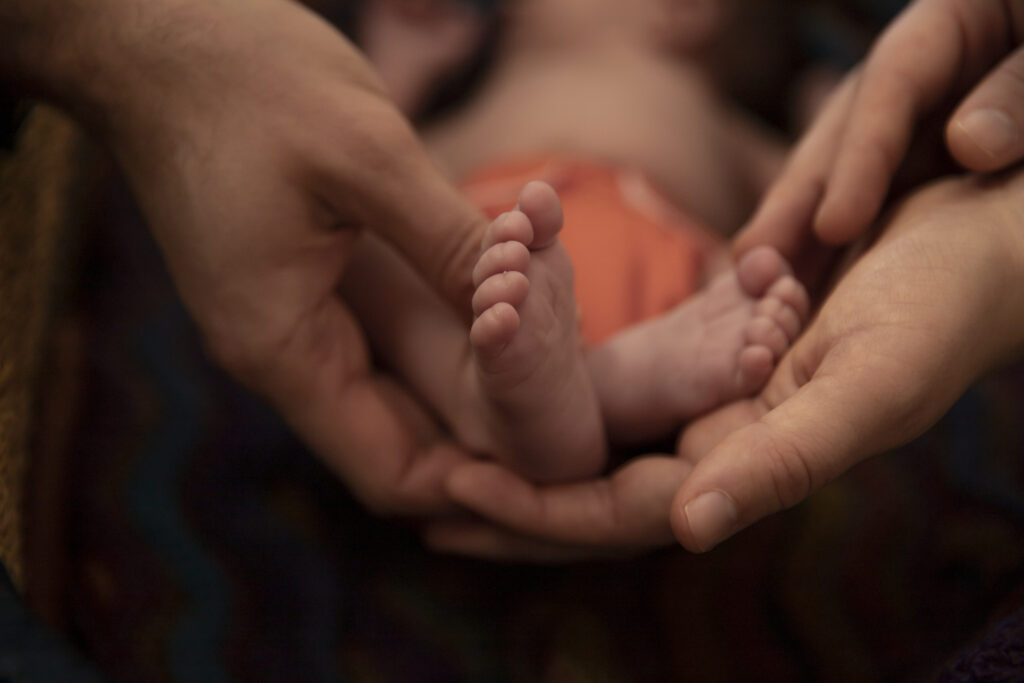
(635, 256)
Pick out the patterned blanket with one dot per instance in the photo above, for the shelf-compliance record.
(198, 541)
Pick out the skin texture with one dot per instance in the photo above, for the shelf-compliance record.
(837, 179)
(519, 388)
(198, 101)
(893, 345)
(259, 143)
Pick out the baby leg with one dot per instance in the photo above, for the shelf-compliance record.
(719, 345)
(538, 403)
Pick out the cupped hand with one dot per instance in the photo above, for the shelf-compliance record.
(934, 304)
(515, 519)
(259, 143)
(934, 55)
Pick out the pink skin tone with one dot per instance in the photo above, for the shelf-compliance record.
(548, 404)
(519, 387)
(540, 404)
(935, 303)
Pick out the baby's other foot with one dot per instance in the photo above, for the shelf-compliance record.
(540, 413)
(721, 344)
(780, 308)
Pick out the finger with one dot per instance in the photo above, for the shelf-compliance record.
(764, 467)
(984, 134)
(783, 218)
(440, 232)
(487, 541)
(700, 436)
(856, 404)
(894, 92)
(404, 198)
(629, 509)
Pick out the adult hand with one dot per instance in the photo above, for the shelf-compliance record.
(258, 143)
(931, 56)
(934, 304)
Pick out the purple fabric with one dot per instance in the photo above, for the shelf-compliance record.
(997, 657)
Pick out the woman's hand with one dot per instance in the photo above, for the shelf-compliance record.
(937, 53)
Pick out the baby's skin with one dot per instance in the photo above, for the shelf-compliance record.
(547, 403)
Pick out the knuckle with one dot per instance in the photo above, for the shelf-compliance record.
(789, 471)
(379, 143)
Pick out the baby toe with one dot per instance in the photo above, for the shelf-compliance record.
(510, 287)
(501, 258)
(540, 203)
(759, 269)
(754, 366)
(764, 331)
(789, 291)
(511, 226)
(784, 315)
(494, 329)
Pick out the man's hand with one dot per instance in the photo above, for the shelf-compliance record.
(258, 143)
(933, 55)
(936, 303)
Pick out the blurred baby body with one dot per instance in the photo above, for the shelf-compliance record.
(609, 103)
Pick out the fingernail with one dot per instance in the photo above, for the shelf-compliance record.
(712, 517)
(991, 130)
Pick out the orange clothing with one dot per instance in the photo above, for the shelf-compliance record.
(635, 255)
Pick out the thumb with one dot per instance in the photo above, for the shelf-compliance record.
(828, 425)
(985, 132)
(421, 214)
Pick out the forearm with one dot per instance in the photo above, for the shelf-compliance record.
(89, 56)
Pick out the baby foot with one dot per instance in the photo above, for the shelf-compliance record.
(719, 345)
(539, 407)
